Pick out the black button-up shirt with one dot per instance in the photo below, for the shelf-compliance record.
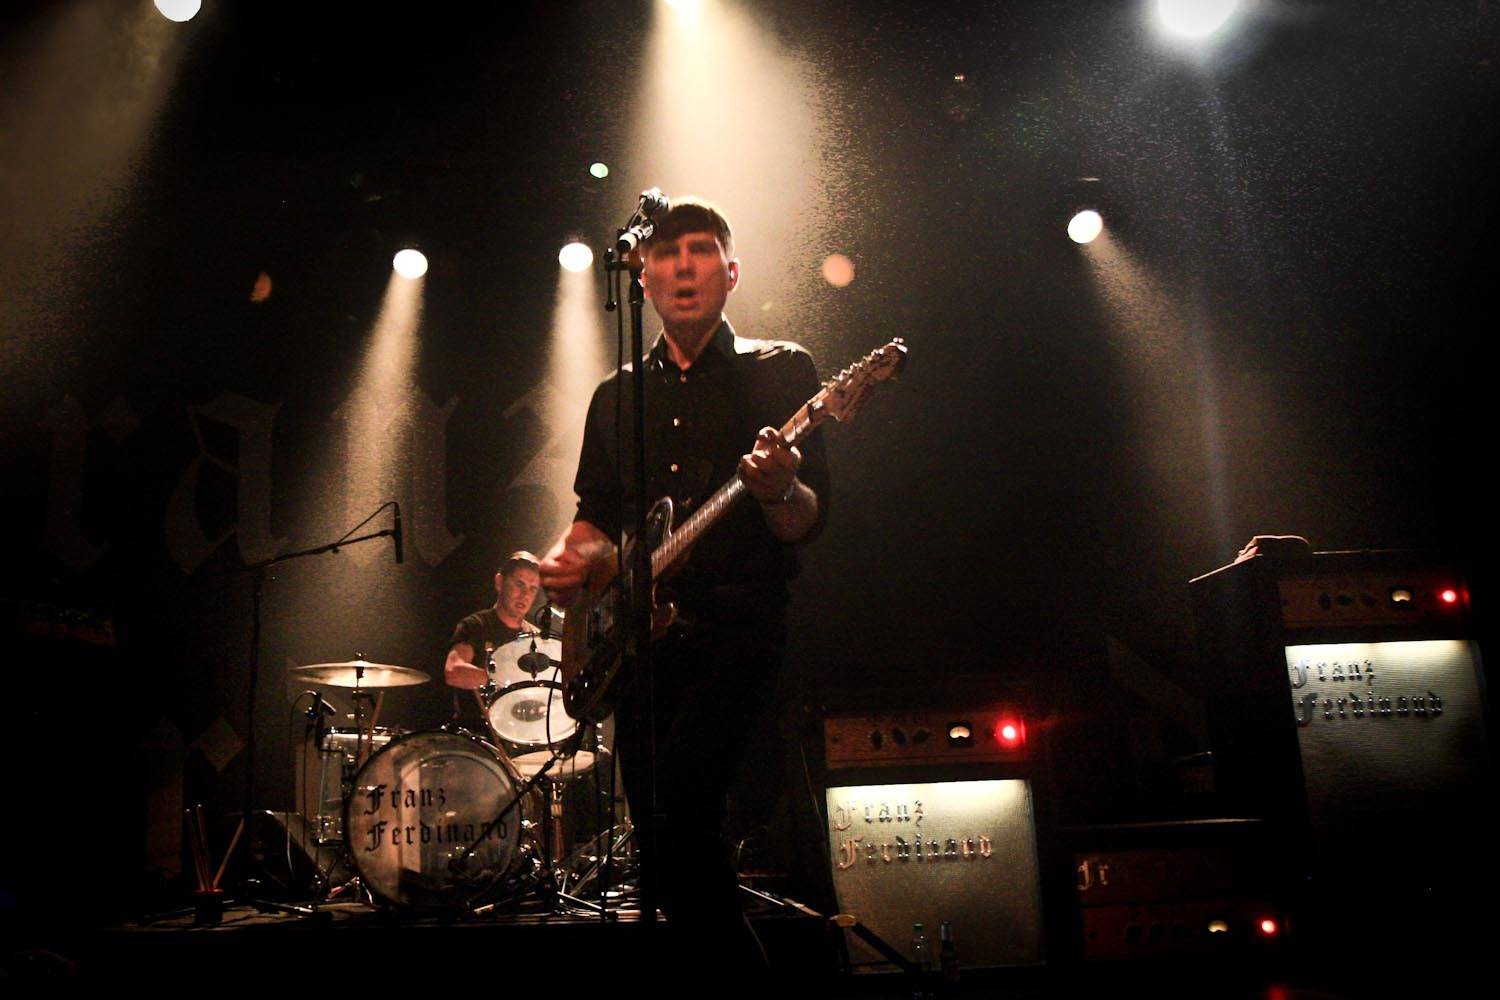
(699, 421)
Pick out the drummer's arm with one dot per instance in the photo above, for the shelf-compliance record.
(460, 671)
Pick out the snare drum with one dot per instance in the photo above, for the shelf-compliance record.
(568, 766)
(417, 807)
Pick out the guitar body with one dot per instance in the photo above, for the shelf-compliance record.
(595, 629)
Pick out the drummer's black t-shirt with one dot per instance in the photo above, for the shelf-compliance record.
(477, 629)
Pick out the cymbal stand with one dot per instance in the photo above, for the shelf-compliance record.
(614, 845)
(364, 747)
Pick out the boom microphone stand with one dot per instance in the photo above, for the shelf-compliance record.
(636, 653)
(257, 571)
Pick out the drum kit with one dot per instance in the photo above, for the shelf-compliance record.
(444, 819)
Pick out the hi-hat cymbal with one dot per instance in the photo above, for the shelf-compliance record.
(360, 673)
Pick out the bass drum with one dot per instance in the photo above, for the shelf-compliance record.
(418, 807)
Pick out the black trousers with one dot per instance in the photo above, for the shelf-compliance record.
(711, 686)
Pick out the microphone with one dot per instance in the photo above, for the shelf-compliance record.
(640, 227)
(397, 532)
(535, 661)
(550, 621)
(653, 203)
(316, 713)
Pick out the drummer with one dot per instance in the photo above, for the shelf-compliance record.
(516, 586)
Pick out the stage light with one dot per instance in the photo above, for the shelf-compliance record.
(179, 10)
(1400, 595)
(687, 11)
(410, 263)
(1218, 927)
(599, 170)
(1011, 733)
(1085, 227)
(1268, 927)
(1195, 18)
(838, 270)
(261, 290)
(1448, 595)
(576, 256)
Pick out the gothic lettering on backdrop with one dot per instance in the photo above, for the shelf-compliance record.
(252, 422)
(396, 448)
(417, 477)
(429, 478)
(70, 426)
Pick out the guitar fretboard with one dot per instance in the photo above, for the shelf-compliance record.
(725, 497)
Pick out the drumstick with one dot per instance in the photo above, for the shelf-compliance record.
(187, 823)
(366, 744)
(203, 842)
(199, 869)
(375, 715)
(233, 843)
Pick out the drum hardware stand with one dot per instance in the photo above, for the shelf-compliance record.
(550, 876)
(555, 895)
(322, 843)
(458, 863)
(364, 739)
(364, 746)
(612, 847)
(599, 863)
(554, 831)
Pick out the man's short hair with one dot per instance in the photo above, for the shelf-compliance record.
(692, 215)
(517, 559)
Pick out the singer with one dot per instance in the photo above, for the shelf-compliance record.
(710, 395)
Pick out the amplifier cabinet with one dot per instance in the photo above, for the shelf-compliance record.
(964, 852)
(1346, 703)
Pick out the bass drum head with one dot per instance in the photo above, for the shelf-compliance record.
(415, 809)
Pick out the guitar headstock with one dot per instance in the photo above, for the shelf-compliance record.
(846, 392)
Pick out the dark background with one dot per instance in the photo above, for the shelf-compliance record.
(1285, 340)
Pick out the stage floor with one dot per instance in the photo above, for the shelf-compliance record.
(353, 947)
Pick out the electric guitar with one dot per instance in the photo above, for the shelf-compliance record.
(594, 629)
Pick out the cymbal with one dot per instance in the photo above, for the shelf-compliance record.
(360, 673)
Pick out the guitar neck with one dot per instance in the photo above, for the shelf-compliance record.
(795, 431)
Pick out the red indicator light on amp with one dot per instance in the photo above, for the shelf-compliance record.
(1011, 733)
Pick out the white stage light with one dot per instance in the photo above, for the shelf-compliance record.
(576, 256)
(410, 264)
(1085, 227)
(1195, 18)
(179, 10)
